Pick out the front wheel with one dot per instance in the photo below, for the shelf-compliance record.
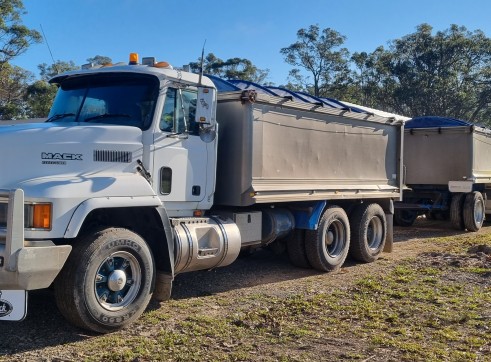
(107, 281)
(327, 247)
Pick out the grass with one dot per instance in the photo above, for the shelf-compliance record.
(415, 310)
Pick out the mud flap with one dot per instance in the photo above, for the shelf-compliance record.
(13, 305)
(389, 239)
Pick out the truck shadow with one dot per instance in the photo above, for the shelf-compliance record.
(45, 326)
(424, 228)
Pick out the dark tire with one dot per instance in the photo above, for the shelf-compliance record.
(295, 247)
(474, 211)
(405, 217)
(456, 211)
(327, 247)
(107, 281)
(438, 215)
(368, 232)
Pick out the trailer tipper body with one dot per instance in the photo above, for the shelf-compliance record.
(142, 172)
(447, 172)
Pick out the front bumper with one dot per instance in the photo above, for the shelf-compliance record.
(25, 265)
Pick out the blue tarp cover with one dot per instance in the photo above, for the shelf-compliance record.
(235, 85)
(434, 121)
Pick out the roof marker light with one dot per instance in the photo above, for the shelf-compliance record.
(163, 65)
(133, 58)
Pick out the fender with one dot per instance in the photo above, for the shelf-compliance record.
(67, 194)
(169, 235)
(89, 205)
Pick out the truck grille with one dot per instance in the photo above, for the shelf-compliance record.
(112, 156)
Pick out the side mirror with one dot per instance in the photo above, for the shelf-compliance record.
(206, 113)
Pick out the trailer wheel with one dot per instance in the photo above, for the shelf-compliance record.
(474, 211)
(368, 232)
(456, 211)
(107, 281)
(295, 247)
(405, 217)
(327, 247)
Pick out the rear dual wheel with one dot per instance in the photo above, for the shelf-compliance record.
(474, 211)
(327, 247)
(368, 232)
(467, 211)
(295, 248)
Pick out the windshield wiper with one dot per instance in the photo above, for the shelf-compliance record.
(107, 115)
(59, 116)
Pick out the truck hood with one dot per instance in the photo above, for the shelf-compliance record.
(51, 150)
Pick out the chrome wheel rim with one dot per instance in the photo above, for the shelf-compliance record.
(117, 281)
(335, 239)
(479, 212)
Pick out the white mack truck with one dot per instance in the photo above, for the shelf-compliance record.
(143, 171)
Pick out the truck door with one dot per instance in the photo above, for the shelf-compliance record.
(180, 156)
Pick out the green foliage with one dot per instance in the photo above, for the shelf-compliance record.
(13, 84)
(15, 38)
(318, 52)
(233, 68)
(446, 74)
(49, 71)
(39, 97)
(100, 60)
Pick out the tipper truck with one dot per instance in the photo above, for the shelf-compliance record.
(143, 171)
(447, 172)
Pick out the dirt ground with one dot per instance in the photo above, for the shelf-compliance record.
(44, 331)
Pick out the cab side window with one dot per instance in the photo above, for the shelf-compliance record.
(180, 105)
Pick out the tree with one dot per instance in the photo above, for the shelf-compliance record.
(372, 85)
(318, 52)
(444, 74)
(15, 38)
(233, 68)
(13, 84)
(49, 71)
(100, 60)
(39, 97)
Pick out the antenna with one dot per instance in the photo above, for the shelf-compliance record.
(201, 65)
(47, 44)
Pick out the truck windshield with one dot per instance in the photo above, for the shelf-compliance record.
(110, 99)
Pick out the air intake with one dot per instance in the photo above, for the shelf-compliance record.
(112, 156)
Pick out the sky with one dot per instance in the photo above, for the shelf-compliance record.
(175, 30)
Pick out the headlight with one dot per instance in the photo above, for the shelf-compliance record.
(36, 216)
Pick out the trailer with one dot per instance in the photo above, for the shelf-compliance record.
(447, 170)
(143, 171)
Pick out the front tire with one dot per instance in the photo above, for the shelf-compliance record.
(327, 247)
(368, 232)
(107, 281)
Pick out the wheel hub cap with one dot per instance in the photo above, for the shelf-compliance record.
(117, 280)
